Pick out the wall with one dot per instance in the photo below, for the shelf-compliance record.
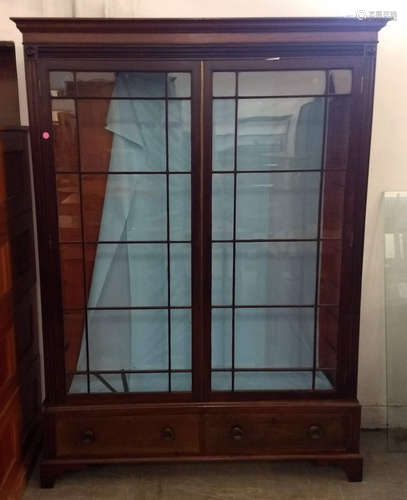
(389, 147)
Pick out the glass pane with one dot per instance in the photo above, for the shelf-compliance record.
(122, 135)
(328, 323)
(61, 84)
(74, 327)
(64, 135)
(180, 272)
(137, 340)
(222, 269)
(95, 138)
(146, 199)
(126, 207)
(271, 83)
(69, 209)
(106, 382)
(179, 136)
(128, 275)
(280, 134)
(221, 338)
(276, 381)
(332, 212)
(338, 132)
(93, 195)
(128, 339)
(395, 281)
(180, 207)
(223, 135)
(330, 272)
(325, 381)
(179, 84)
(120, 84)
(149, 339)
(222, 206)
(181, 382)
(274, 338)
(181, 341)
(275, 273)
(224, 83)
(279, 205)
(148, 382)
(72, 276)
(95, 83)
(78, 384)
(340, 81)
(221, 381)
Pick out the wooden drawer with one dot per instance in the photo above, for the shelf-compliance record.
(127, 435)
(269, 433)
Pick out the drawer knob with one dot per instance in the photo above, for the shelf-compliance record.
(87, 437)
(315, 432)
(168, 434)
(237, 433)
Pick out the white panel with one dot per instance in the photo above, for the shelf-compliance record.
(122, 8)
(395, 273)
(89, 8)
(27, 8)
(55, 8)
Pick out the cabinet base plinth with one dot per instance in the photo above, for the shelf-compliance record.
(354, 469)
(51, 470)
(352, 464)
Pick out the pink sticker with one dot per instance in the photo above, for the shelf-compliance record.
(45, 135)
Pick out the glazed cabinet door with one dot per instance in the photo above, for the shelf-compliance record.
(123, 168)
(280, 174)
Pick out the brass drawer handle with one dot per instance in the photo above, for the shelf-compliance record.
(315, 432)
(236, 433)
(167, 434)
(87, 437)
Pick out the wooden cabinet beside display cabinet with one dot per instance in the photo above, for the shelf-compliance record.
(201, 189)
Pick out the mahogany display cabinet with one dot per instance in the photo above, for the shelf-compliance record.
(200, 188)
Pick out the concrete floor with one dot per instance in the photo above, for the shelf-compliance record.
(385, 477)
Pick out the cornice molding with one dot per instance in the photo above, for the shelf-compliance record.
(192, 25)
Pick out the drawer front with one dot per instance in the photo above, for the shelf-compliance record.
(268, 434)
(132, 436)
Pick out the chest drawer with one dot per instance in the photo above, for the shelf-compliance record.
(265, 433)
(132, 436)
